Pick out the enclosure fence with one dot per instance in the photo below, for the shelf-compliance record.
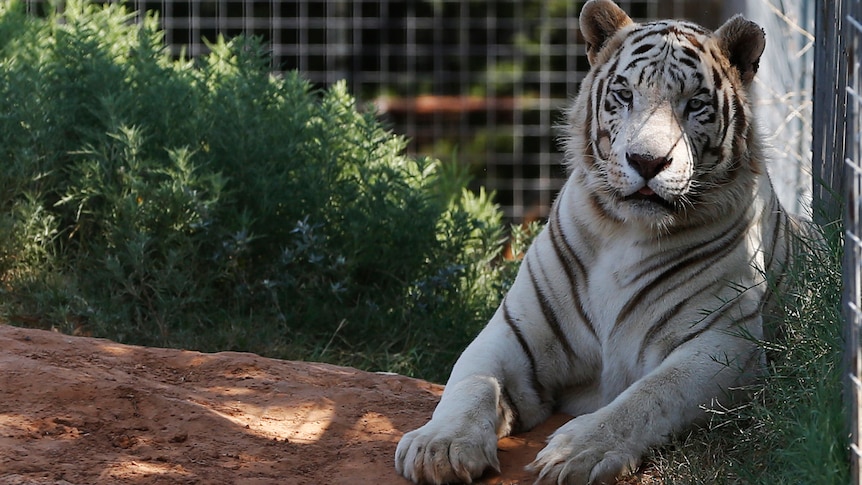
(481, 83)
(838, 177)
(852, 24)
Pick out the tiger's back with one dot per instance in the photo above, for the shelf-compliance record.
(642, 300)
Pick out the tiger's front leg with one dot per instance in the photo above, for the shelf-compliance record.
(599, 447)
(460, 441)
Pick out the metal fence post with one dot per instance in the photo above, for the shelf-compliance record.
(852, 276)
(837, 171)
(830, 78)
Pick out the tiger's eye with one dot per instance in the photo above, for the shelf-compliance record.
(625, 96)
(695, 104)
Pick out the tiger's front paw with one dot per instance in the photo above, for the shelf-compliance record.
(584, 451)
(444, 452)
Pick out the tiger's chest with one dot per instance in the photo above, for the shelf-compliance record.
(641, 297)
(611, 286)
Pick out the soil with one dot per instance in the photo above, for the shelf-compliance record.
(78, 410)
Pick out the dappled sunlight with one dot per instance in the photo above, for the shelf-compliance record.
(374, 424)
(56, 428)
(115, 349)
(96, 412)
(129, 469)
(196, 360)
(236, 392)
(304, 423)
(14, 423)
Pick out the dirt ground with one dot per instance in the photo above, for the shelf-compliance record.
(77, 410)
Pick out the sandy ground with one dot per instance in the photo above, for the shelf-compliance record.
(77, 410)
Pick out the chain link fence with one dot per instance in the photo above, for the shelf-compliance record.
(852, 24)
(837, 151)
(481, 83)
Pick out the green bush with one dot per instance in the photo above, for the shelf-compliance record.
(209, 205)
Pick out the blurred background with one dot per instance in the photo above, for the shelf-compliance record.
(482, 83)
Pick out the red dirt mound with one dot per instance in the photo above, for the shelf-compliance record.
(77, 410)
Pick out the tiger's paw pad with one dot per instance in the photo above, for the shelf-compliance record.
(444, 454)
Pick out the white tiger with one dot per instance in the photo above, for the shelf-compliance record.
(642, 300)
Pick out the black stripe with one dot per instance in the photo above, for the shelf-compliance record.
(663, 320)
(710, 256)
(548, 311)
(587, 134)
(642, 49)
(612, 68)
(695, 252)
(740, 124)
(571, 262)
(598, 96)
(725, 119)
(516, 414)
(643, 74)
(601, 211)
(646, 342)
(776, 275)
(638, 60)
(690, 52)
(538, 388)
(716, 79)
(641, 36)
(692, 64)
(695, 28)
(751, 316)
(779, 220)
(692, 38)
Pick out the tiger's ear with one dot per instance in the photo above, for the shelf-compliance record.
(743, 42)
(599, 20)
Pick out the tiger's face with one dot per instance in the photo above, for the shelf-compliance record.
(659, 131)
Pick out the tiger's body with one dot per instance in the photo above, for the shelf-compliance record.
(642, 299)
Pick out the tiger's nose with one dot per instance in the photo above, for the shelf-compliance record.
(646, 165)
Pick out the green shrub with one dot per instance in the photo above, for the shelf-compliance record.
(209, 205)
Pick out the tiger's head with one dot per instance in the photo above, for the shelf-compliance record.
(661, 131)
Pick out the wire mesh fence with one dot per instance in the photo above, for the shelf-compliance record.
(852, 17)
(837, 163)
(829, 107)
(483, 82)
(478, 82)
